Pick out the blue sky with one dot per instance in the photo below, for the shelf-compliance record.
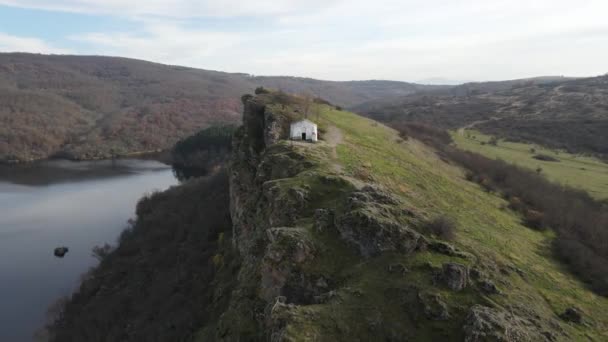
(407, 40)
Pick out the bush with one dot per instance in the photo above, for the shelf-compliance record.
(516, 204)
(545, 157)
(534, 219)
(101, 252)
(442, 227)
(261, 90)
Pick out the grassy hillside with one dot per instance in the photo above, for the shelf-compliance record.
(95, 107)
(578, 171)
(517, 259)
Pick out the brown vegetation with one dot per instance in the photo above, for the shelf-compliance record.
(98, 107)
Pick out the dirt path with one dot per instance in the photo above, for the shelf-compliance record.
(333, 137)
(461, 130)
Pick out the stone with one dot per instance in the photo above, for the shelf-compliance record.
(488, 324)
(475, 273)
(60, 252)
(572, 315)
(372, 234)
(454, 276)
(323, 219)
(488, 287)
(446, 249)
(434, 307)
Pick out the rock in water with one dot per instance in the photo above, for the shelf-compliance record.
(60, 251)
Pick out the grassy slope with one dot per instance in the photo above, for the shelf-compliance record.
(577, 171)
(495, 236)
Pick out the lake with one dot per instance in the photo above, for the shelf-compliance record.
(61, 203)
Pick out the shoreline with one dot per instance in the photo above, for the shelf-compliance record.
(160, 155)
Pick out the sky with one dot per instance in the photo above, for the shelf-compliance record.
(406, 40)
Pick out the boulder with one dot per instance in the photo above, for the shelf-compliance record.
(434, 307)
(373, 234)
(446, 249)
(323, 219)
(373, 225)
(572, 315)
(489, 324)
(488, 287)
(60, 252)
(455, 276)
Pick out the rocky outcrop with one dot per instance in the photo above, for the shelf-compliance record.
(371, 224)
(454, 276)
(484, 324)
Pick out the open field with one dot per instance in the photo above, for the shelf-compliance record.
(578, 171)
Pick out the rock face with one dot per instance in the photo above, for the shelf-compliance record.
(370, 224)
(60, 252)
(455, 276)
(484, 324)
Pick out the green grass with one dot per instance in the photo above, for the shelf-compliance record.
(493, 234)
(576, 171)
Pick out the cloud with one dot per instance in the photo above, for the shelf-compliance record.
(354, 39)
(174, 8)
(9, 43)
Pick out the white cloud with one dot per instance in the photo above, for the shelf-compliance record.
(174, 8)
(356, 39)
(9, 43)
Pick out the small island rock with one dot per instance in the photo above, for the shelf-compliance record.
(60, 251)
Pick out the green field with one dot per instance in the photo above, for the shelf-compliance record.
(578, 171)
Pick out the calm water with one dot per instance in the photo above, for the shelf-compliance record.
(61, 203)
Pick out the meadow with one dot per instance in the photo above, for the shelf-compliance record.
(578, 171)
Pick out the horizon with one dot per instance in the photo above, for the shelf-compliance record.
(428, 81)
(408, 41)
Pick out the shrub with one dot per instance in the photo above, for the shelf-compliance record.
(442, 227)
(545, 157)
(246, 98)
(470, 176)
(261, 90)
(102, 252)
(534, 219)
(515, 203)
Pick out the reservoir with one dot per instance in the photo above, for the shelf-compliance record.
(49, 204)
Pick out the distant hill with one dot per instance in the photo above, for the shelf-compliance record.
(557, 112)
(86, 107)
